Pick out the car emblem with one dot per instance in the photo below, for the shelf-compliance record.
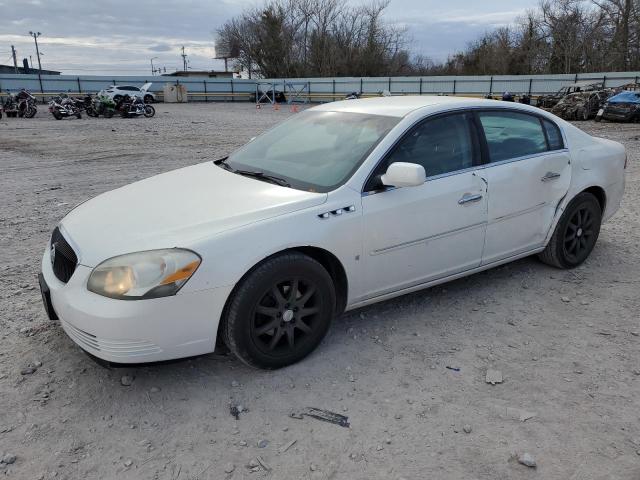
(53, 252)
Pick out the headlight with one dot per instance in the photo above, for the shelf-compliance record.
(141, 275)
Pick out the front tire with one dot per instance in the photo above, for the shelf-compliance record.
(576, 233)
(280, 312)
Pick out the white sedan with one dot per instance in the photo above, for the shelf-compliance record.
(117, 92)
(344, 205)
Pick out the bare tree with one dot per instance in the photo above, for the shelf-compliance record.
(302, 38)
(288, 38)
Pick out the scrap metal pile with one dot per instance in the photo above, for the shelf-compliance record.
(586, 101)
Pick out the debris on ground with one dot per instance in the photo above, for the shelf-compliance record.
(493, 376)
(126, 380)
(455, 369)
(527, 459)
(28, 370)
(287, 446)
(467, 428)
(263, 464)
(324, 415)
(229, 468)
(8, 458)
(236, 409)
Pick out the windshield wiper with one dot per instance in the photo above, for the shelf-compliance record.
(263, 176)
(223, 163)
(250, 173)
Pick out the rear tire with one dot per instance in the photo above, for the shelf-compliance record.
(148, 99)
(576, 233)
(280, 312)
(149, 111)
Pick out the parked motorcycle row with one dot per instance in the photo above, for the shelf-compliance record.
(62, 106)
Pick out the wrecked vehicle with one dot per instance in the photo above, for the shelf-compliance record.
(623, 107)
(551, 100)
(581, 105)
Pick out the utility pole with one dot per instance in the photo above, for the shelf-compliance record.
(35, 36)
(184, 59)
(15, 60)
(153, 72)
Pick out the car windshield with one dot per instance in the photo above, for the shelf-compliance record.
(315, 151)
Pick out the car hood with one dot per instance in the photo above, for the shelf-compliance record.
(176, 209)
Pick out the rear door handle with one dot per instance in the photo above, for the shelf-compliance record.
(468, 198)
(550, 176)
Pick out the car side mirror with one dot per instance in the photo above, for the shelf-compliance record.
(403, 174)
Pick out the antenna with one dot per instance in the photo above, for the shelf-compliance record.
(184, 59)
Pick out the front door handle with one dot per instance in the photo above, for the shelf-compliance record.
(550, 176)
(468, 198)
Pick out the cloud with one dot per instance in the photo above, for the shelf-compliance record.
(119, 37)
(161, 47)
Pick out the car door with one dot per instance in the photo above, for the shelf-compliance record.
(412, 235)
(529, 172)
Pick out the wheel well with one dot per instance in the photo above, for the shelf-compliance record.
(331, 263)
(598, 192)
(327, 259)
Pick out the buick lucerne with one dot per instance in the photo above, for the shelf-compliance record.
(343, 205)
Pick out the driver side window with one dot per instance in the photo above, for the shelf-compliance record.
(441, 145)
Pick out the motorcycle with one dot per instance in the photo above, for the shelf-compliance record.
(62, 106)
(22, 104)
(26, 104)
(101, 105)
(130, 107)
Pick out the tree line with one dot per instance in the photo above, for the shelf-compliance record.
(316, 38)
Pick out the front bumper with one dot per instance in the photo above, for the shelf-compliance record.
(135, 331)
(619, 115)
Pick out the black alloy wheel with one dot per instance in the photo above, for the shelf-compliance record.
(576, 233)
(286, 313)
(579, 235)
(280, 311)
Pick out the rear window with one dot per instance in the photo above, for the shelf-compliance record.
(512, 134)
(553, 135)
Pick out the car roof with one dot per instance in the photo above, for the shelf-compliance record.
(584, 84)
(402, 105)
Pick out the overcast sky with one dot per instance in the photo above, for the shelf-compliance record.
(121, 36)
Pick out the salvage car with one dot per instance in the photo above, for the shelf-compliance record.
(549, 101)
(581, 105)
(623, 107)
(344, 205)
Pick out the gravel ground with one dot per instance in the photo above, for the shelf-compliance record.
(566, 343)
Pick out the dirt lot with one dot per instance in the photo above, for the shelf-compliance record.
(566, 342)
